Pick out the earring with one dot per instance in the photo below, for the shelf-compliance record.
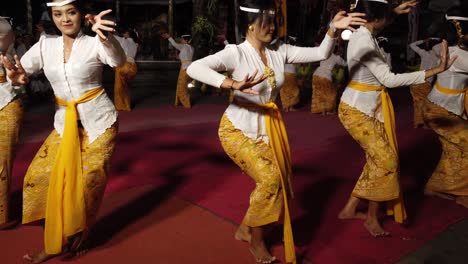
(251, 28)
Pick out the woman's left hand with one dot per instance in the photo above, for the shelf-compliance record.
(406, 7)
(342, 20)
(101, 26)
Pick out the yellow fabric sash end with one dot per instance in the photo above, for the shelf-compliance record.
(278, 137)
(394, 207)
(65, 210)
(454, 92)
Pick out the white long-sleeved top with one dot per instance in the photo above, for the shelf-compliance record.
(129, 46)
(7, 91)
(185, 52)
(82, 72)
(429, 58)
(456, 78)
(241, 60)
(367, 65)
(326, 67)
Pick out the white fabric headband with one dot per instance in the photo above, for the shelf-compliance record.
(381, 1)
(65, 2)
(254, 10)
(183, 36)
(456, 18)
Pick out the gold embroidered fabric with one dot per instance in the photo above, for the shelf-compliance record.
(419, 93)
(289, 93)
(11, 117)
(121, 94)
(182, 92)
(256, 159)
(451, 174)
(323, 95)
(96, 164)
(379, 178)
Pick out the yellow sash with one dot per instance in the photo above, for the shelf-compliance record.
(2, 78)
(279, 143)
(448, 91)
(395, 207)
(65, 210)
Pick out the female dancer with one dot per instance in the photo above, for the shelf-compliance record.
(66, 180)
(125, 73)
(419, 92)
(11, 115)
(366, 112)
(446, 113)
(185, 56)
(251, 130)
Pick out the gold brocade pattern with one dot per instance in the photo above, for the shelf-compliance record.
(96, 164)
(257, 160)
(182, 92)
(379, 178)
(419, 93)
(121, 94)
(11, 117)
(451, 174)
(323, 95)
(289, 93)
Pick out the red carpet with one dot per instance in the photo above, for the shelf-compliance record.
(179, 150)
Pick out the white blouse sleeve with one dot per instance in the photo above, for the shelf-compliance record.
(369, 57)
(340, 61)
(418, 50)
(32, 60)
(461, 63)
(111, 52)
(206, 69)
(296, 54)
(175, 44)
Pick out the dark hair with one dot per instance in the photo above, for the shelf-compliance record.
(451, 32)
(373, 10)
(249, 18)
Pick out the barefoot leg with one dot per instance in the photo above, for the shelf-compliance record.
(349, 211)
(372, 222)
(243, 233)
(38, 257)
(258, 247)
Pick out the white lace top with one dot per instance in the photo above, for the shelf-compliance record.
(240, 60)
(326, 67)
(186, 52)
(82, 72)
(129, 46)
(428, 57)
(367, 65)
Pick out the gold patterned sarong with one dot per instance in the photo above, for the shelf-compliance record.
(123, 75)
(419, 93)
(11, 117)
(182, 92)
(451, 173)
(289, 93)
(323, 95)
(95, 160)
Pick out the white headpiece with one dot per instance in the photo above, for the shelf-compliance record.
(456, 18)
(254, 10)
(381, 1)
(62, 3)
(183, 36)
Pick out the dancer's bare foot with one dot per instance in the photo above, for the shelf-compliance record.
(439, 194)
(345, 215)
(462, 200)
(261, 253)
(38, 257)
(374, 228)
(243, 233)
(350, 212)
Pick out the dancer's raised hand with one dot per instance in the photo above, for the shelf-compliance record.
(406, 7)
(343, 20)
(247, 83)
(16, 72)
(101, 26)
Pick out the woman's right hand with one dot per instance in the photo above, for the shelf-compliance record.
(15, 73)
(246, 84)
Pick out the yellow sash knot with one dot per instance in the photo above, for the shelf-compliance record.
(448, 91)
(65, 210)
(394, 207)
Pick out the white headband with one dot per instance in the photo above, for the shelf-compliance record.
(183, 36)
(381, 1)
(254, 10)
(456, 18)
(65, 2)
